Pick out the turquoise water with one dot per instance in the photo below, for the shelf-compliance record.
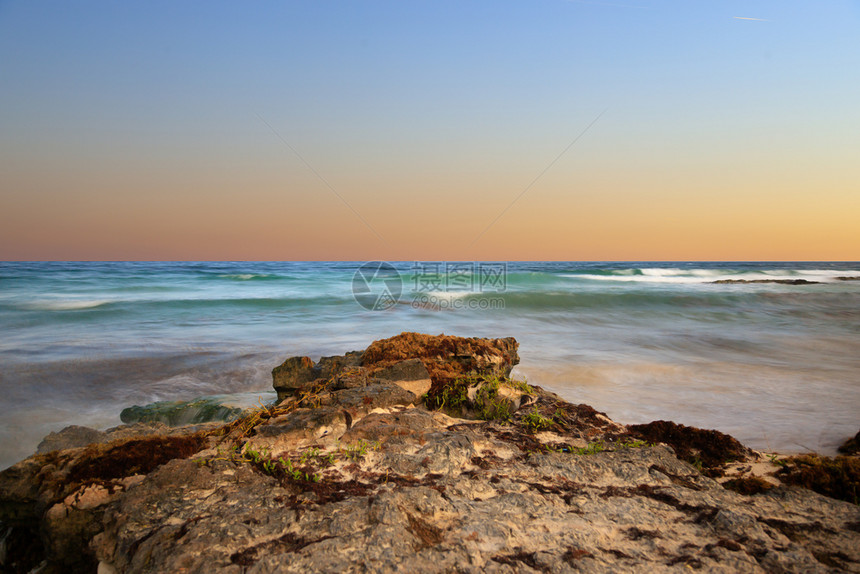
(776, 365)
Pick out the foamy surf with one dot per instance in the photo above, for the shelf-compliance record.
(706, 276)
(64, 305)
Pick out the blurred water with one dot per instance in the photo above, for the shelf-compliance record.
(776, 365)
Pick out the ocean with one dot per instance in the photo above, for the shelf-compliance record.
(777, 365)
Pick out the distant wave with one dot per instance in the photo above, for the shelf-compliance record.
(250, 276)
(693, 276)
(68, 305)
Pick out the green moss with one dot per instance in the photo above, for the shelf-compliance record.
(534, 421)
(591, 448)
(488, 404)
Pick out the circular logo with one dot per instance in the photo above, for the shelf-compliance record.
(376, 285)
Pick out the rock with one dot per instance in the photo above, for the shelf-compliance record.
(446, 358)
(360, 401)
(410, 375)
(778, 281)
(851, 446)
(297, 372)
(328, 367)
(351, 475)
(469, 501)
(398, 424)
(397, 359)
(62, 495)
(302, 427)
(292, 375)
(70, 437)
(177, 413)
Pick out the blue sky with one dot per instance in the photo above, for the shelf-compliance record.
(131, 112)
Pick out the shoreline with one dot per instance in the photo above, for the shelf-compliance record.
(434, 457)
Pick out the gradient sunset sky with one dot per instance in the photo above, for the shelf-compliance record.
(412, 130)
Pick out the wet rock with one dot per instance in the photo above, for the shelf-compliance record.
(224, 408)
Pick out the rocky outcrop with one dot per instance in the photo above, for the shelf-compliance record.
(351, 472)
(446, 358)
(297, 372)
(777, 281)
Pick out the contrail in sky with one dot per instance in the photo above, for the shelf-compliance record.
(756, 19)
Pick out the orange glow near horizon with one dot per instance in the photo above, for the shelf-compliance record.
(594, 217)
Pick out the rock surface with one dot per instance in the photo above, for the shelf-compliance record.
(351, 473)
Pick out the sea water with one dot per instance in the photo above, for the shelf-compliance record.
(776, 365)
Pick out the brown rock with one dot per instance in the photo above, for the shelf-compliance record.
(291, 375)
(302, 427)
(410, 374)
(297, 372)
(445, 357)
(73, 436)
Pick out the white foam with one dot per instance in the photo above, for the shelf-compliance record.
(65, 305)
(644, 278)
(660, 272)
(693, 276)
(445, 295)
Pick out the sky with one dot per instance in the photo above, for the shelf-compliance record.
(430, 130)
